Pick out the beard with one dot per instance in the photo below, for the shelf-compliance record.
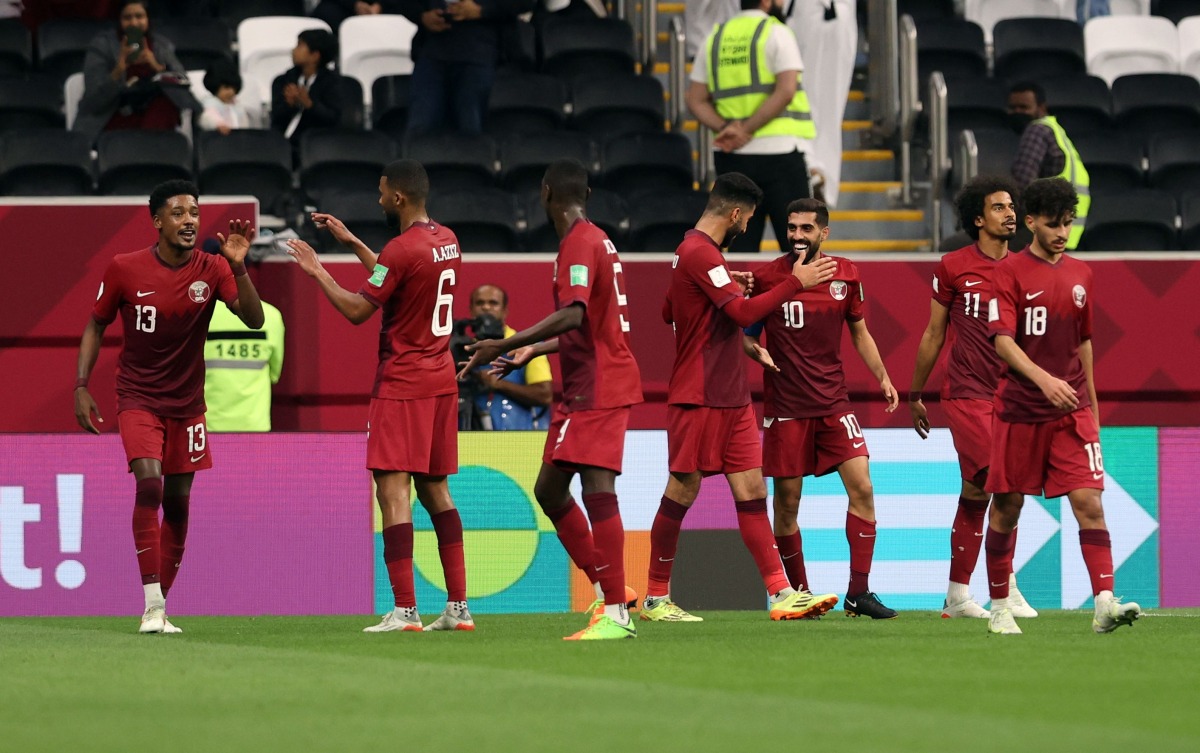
(392, 219)
(731, 234)
(777, 13)
(810, 253)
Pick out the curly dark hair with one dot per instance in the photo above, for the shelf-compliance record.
(1050, 197)
(970, 199)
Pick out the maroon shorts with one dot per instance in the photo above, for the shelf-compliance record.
(1056, 457)
(415, 436)
(712, 440)
(970, 421)
(180, 444)
(811, 446)
(592, 438)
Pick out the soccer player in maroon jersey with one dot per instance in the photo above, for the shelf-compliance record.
(165, 296)
(589, 330)
(1046, 432)
(809, 427)
(412, 424)
(962, 291)
(710, 422)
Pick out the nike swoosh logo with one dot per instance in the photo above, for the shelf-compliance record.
(198, 457)
(140, 294)
(601, 567)
(865, 536)
(142, 550)
(998, 585)
(851, 603)
(1097, 476)
(980, 535)
(858, 444)
(973, 283)
(1102, 575)
(789, 556)
(1031, 296)
(665, 559)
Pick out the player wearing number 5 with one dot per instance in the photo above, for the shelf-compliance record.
(412, 423)
(809, 428)
(1046, 434)
(165, 296)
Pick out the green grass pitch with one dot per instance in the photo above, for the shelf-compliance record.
(736, 682)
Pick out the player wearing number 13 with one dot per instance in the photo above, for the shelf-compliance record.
(412, 423)
(165, 296)
(1046, 435)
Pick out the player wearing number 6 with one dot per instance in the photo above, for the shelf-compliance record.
(165, 296)
(412, 423)
(809, 428)
(1046, 434)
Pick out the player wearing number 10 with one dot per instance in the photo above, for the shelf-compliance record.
(1046, 434)
(412, 423)
(165, 296)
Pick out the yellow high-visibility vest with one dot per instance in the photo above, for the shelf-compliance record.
(1074, 173)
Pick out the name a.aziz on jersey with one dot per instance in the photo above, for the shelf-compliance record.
(443, 253)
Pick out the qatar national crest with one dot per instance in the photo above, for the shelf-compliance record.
(837, 289)
(199, 291)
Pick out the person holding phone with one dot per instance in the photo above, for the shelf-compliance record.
(124, 78)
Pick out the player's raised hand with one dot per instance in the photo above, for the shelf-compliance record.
(237, 245)
(745, 281)
(811, 275)
(920, 418)
(336, 228)
(889, 392)
(761, 357)
(1060, 394)
(505, 365)
(85, 407)
(305, 256)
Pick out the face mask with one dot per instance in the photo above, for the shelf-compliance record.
(1018, 120)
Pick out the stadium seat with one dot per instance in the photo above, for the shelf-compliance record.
(1082, 103)
(1189, 235)
(31, 102)
(1189, 46)
(486, 220)
(456, 161)
(1113, 161)
(1174, 10)
(618, 104)
(605, 208)
(976, 103)
(639, 163)
(1175, 162)
(198, 41)
(657, 222)
(1119, 7)
(390, 97)
(996, 149)
(361, 213)
(526, 103)
(342, 161)
(353, 114)
(950, 45)
(1034, 48)
(987, 13)
(578, 48)
(1142, 220)
(233, 12)
(373, 46)
(16, 48)
(132, 163)
(1148, 102)
(524, 158)
(246, 161)
(265, 46)
(1121, 45)
(45, 162)
(72, 93)
(923, 9)
(62, 43)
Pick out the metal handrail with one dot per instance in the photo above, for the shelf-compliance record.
(910, 103)
(968, 157)
(704, 167)
(678, 78)
(939, 158)
(882, 69)
(649, 51)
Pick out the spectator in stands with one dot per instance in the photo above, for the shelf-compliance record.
(333, 12)
(455, 53)
(309, 95)
(1085, 9)
(758, 109)
(222, 111)
(1045, 150)
(131, 78)
(521, 399)
(240, 365)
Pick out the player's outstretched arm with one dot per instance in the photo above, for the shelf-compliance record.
(1058, 392)
(869, 352)
(342, 235)
(927, 354)
(1086, 357)
(89, 351)
(504, 365)
(485, 352)
(234, 248)
(353, 306)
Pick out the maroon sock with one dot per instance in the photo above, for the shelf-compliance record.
(448, 527)
(860, 534)
(966, 537)
(572, 527)
(791, 553)
(146, 502)
(398, 558)
(664, 539)
(998, 548)
(756, 535)
(609, 535)
(1097, 555)
(171, 538)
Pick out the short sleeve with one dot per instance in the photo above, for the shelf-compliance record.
(783, 51)
(537, 371)
(1002, 309)
(943, 292)
(700, 64)
(227, 289)
(856, 311)
(707, 269)
(576, 274)
(389, 271)
(1085, 315)
(275, 332)
(108, 299)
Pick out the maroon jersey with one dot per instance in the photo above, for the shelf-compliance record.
(708, 344)
(413, 282)
(804, 337)
(598, 368)
(1047, 309)
(165, 311)
(962, 282)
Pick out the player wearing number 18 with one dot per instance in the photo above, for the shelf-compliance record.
(412, 423)
(165, 295)
(1046, 433)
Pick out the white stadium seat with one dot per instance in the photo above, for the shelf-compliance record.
(374, 46)
(1120, 45)
(987, 12)
(265, 45)
(1189, 46)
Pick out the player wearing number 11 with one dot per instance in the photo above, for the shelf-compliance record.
(165, 295)
(412, 423)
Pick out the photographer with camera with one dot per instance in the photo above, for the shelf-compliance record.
(518, 401)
